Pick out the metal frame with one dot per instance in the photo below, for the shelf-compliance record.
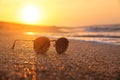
(25, 40)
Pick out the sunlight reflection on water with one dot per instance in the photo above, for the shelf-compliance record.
(30, 33)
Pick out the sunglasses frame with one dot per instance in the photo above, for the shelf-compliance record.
(61, 44)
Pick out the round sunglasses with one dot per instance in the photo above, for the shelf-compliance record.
(42, 44)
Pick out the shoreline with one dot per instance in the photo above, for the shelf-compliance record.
(99, 42)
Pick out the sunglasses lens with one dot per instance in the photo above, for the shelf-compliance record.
(61, 45)
(41, 45)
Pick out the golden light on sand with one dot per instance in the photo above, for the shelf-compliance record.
(31, 14)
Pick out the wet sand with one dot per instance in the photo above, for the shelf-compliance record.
(82, 61)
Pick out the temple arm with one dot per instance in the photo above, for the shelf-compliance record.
(19, 40)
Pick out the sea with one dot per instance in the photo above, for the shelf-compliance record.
(107, 34)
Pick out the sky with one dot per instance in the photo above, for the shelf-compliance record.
(64, 12)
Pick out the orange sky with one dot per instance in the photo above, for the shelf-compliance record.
(64, 12)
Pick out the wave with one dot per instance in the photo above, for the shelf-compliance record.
(98, 36)
(110, 28)
(97, 28)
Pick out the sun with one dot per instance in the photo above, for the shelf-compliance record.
(31, 14)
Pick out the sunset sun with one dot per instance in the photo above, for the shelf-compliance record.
(31, 14)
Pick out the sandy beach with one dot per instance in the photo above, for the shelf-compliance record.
(82, 61)
(59, 39)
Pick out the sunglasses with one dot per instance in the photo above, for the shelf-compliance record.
(42, 44)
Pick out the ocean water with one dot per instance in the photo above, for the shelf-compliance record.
(104, 33)
(109, 34)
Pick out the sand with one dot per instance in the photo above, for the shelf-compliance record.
(82, 61)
